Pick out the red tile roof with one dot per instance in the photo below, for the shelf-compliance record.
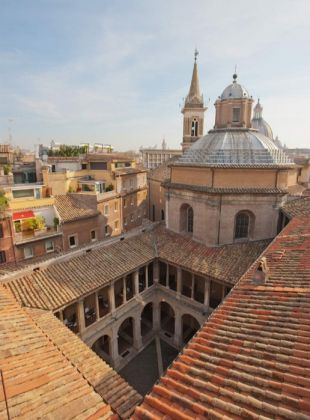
(63, 282)
(251, 359)
(106, 382)
(298, 207)
(76, 206)
(40, 381)
(226, 263)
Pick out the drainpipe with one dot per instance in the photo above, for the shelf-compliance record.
(219, 224)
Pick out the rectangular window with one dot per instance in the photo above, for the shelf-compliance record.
(116, 225)
(125, 203)
(2, 257)
(106, 230)
(236, 115)
(84, 166)
(72, 241)
(28, 252)
(49, 246)
(93, 235)
(95, 166)
(115, 206)
(1, 230)
(106, 210)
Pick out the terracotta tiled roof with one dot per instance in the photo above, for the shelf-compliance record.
(250, 360)
(40, 381)
(228, 190)
(109, 384)
(226, 263)
(299, 207)
(128, 171)
(63, 282)
(76, 206)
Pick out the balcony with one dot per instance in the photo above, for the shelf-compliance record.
(36, 234)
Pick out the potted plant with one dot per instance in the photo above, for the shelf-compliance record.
(56, 223)
(39, 225)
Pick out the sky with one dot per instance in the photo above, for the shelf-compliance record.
(116, 72)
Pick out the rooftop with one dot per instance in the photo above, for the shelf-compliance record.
(250, 360)
(299, 207)
(106, 382)
(61, 283)
(73, 207)
(234, 146)
(40, 380)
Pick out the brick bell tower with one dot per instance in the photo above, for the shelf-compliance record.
(193, 111)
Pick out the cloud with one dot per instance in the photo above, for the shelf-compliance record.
(119, 72)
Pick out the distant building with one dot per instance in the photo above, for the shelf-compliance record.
(152, 158)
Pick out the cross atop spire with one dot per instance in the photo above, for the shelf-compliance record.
(196, 53)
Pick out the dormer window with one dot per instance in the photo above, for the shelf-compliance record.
(236, 115)
(194, 130)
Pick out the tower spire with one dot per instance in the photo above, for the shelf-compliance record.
(194, 90)
(193, 110)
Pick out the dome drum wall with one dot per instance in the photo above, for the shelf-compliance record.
(227, 112)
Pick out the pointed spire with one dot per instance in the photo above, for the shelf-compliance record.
(194, 96)
(258, 111)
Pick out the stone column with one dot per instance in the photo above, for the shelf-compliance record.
(156, 271)
(177, 329)
(156, 316)
(193, 285)
(114, 350)
(207, 293)
(146, 277)
(80, 315)
(137, 337)
(136, 282)
(111, 295)
(179, 282)
(167, 275)
(124, 290)
(97, 306)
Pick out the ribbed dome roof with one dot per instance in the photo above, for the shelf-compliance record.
(259, 123)
(262, 126)
(234, 147)
(235, 90)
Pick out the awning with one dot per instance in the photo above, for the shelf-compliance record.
(23, 214)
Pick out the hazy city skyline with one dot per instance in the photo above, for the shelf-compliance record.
(86, 72)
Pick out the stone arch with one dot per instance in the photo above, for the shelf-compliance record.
(167, 318)
(190, 326)
(102, 347)
(244, 225)
(125, 336)
(186, 218)
(147, 319)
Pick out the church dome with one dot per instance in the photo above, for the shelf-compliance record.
(234, 147)
(235, 90)
(259, 123)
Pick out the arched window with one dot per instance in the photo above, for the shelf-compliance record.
(194, 131)
(186, 218)
(190, 219)
(242, 225)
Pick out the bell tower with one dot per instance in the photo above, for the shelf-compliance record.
(193, 111)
